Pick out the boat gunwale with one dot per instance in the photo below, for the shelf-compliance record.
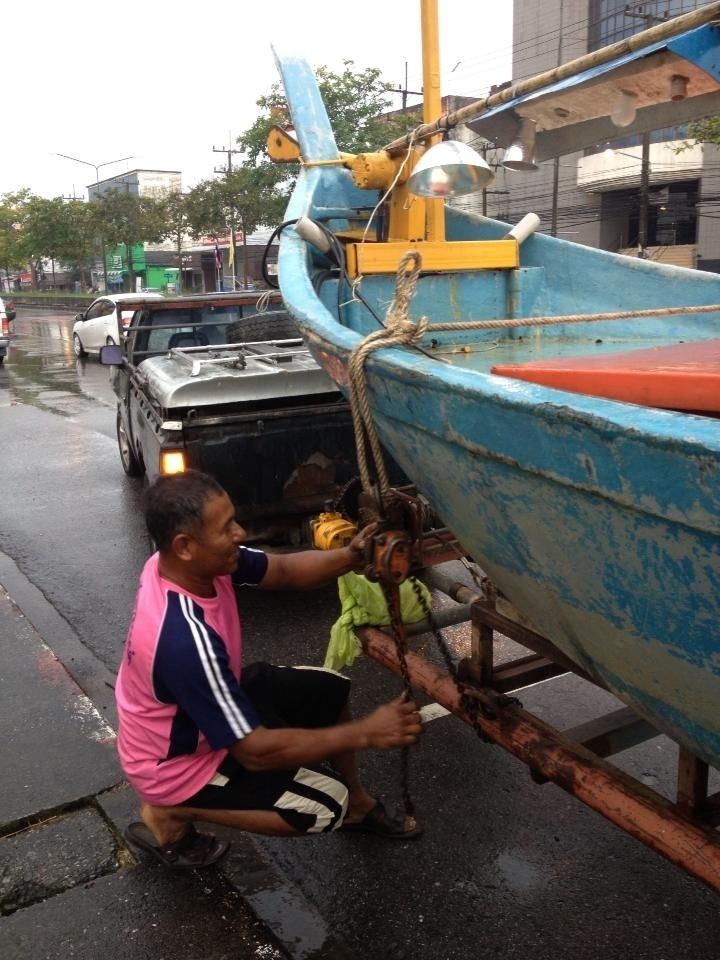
(322, 330)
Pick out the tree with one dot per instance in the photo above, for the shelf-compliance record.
(177, 225)
(357, 105)
(82, 240)
(46, 231)
(12, 251)
(124, 219)
(703, 131)
(242, 199)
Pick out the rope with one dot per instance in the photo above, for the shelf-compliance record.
(570, 318)
(398, 329)
(335, 162)
(264, 301)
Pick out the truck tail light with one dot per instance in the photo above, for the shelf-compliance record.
(172, 461)
(5, 327)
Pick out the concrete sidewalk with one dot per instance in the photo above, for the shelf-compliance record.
(69, 884)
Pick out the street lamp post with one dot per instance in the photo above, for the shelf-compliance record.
(96, 168)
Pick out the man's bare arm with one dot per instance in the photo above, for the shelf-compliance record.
(312, 568)
(394, 724)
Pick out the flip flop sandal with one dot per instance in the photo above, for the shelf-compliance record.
(379, 822)
(192, 851)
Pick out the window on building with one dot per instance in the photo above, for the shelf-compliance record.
(671, 218)
(612, 20)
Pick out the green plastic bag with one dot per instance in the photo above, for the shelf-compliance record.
(362, 604)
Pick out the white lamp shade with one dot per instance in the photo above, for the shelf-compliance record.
(520, 155)
(449, 169)
(624, 109)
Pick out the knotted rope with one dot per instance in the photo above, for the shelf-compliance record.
(398, 329)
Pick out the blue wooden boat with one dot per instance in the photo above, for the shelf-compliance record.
(598, 519)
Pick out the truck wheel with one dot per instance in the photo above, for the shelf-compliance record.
(259, 326)
(79, 349)
(131, 464)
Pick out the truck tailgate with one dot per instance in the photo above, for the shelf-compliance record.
(276, 462)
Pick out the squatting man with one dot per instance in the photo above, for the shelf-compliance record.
(203, 738)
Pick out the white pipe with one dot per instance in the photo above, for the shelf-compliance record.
(312, 233)
(527, 226)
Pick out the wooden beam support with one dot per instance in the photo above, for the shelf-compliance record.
(612, 732)
(692, 785)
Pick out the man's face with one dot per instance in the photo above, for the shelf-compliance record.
(214, 548)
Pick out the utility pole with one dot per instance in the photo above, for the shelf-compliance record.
(228, 171)
(637, 10)
(644, 193)
(556, 163)
(485, 146)
(404, 90)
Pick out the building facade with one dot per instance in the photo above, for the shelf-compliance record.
(138, 183)
(154, 266)
(593, 197)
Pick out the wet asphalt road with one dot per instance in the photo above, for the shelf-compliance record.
(506, 869)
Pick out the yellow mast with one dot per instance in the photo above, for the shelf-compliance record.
(432, 103)
(414, 222)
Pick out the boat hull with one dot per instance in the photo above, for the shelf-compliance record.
(599, 520)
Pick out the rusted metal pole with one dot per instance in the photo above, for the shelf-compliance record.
(625, 802)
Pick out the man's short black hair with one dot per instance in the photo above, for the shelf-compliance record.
(174, 504)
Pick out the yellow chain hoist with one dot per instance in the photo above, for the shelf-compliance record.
(331, 531)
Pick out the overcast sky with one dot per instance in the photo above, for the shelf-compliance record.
(166, 82)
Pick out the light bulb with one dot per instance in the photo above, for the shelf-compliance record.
(439, 182)
(624, 110)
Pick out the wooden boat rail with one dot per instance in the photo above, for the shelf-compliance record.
(576, 758)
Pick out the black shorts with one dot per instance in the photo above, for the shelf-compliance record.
(312, 799)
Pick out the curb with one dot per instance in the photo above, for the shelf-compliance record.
(278, 904)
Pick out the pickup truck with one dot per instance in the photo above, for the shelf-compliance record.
(211, 382)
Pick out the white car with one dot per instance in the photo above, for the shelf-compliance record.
(104, 322)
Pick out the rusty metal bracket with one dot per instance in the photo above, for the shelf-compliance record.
(634, 807)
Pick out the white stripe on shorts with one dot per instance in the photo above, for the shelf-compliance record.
(324, 784)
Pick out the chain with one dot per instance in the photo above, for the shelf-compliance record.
(391, 592)
(337, 502)
(468, 703)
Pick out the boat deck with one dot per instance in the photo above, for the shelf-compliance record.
(682, 376)
(484, 354)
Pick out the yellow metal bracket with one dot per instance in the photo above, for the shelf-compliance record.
(281, 146)
(451, 255)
